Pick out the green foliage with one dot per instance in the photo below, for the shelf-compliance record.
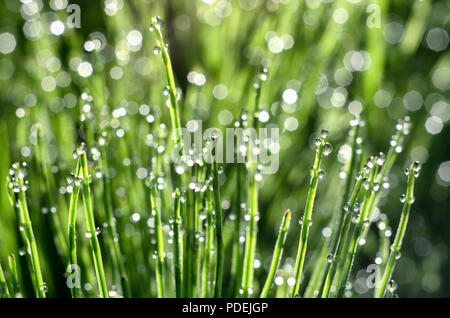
(95, 117)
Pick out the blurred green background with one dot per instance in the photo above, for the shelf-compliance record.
(327, 61)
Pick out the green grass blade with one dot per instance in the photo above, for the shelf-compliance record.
(73, 263)
(277, 253)
(304, 232)
(218, 228)
(12, 264)
(177, 251)
(159, 239)
(92, 230)
(4, 291)
(397, 245)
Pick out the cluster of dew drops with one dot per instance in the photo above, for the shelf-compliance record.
(158, 24)
(16, 172)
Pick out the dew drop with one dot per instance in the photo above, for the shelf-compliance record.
(403, 198)
(166, 91)
(156, 50)
(44, 288)
(317, 142)
(81, 149)
(321, 174)
(346, 206)
(330, 258)
(393, 285)
(158, 22)
(327, 149)
(381, 159)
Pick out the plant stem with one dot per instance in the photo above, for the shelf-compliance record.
(278, 251)
(174, 113)
(95, 246)
(252, 193)
(304, 232)
(237, 266)
(188, 266)
(251, 236)
(394, 150)
(31, 242)
(159, 241)
(337, 223)
(209, 241)
(112, 224)
(177, 244)
(72, 225)
(397, 245)
(403, 127)
(4, 291)
(13, 202)
(383, 252)
(342, 239)
(356, 234)
(14, 275)
(219, 235)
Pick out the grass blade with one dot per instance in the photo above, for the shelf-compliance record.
(323, 148)
(20, 189)
(408, 199)
(277, 253)
(73, 263)
(159, 238)
(92, 230)
(4, 291)
(218, 227)
(177, 251)
(14, 276)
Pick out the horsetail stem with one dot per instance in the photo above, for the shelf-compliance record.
(218, 228)
(73, 263)
(252, 190)
(117, 253)
(408, 200)
(92, 231)
(251, 236)
(403, 126)
(159, 238)
(162, 48)
(4, 291)
(209, 242)
(385, 162)
(349, 208)
(196, 207)
(323, 148)
(337, 222)
(177, 251)
(20, 173)
(383, 252)
(277, 253)
(12, 264)
(361, 222)
(188, 264)
(237, 266)
(12, 189)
